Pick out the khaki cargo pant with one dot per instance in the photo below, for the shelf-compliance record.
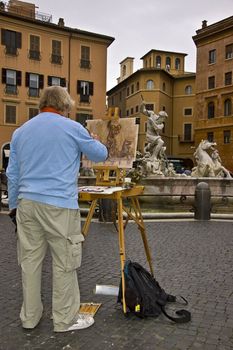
(41, 226)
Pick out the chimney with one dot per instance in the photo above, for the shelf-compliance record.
(204, 24)
(61, 22)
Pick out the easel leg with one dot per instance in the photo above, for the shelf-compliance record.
(89, 217)
(141, 226)
(121, 248)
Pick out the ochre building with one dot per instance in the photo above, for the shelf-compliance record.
(214, 88)
(162, 84)
(36, 53)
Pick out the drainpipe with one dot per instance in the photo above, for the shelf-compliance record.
(69, 62)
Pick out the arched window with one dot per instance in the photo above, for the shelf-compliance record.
(137, 86)
(188, 90)
(210, 110)
(177, 63)
(227, 107)
(158, 62)
(149, 85)
(168, 63)
(124, 70)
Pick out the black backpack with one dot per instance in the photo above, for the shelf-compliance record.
(144, 297)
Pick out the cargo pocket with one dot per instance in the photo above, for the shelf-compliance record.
(74, 252)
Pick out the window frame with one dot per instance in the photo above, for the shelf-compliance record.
(188, 90)
(212, 56)
(226, 137)
(211, 82)
(56, 56)
(5, 114)
(229, 51)
(150, 85)
(227, 107)
(228, 78)
(190, 131)
(85, 54)
(211, 110)
(34, 47)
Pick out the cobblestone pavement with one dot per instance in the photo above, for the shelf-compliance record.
(191, 258)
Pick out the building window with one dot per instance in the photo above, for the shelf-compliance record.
(136, 109)
(211, 110)
(10, 114)
(124, 70)
(229, 51)
(120, 96)
(187, 132)
(127, 112)
(32, 112)
(34, 82)
(12, 41)
(210, 136)
(211, 82)
(149, 106)
(132, 88)
(149, 85)
(12, 79)
(56, 81)
(227, 136)
(164, 86)
(177, 63)
(85, 89)
(56, 52)
(188, 111)
(82, 118)
(158, 62)
(34, 51)
(85, 57)
(168, 63)
(131, 111)
(188, 90)
(228, 78)
(212, 56)
(127, 92)
(227, 107)
(137, 86)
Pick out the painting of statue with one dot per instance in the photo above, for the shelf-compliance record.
(120, 135)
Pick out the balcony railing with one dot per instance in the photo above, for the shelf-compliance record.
(85, 99)
(33, 92)
(57, 59)
(85, 64)
(11, 89)
(34, 55)
(10, 50)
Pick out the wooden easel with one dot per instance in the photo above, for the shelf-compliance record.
(104, 179)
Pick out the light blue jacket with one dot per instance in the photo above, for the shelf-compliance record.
(45, 158)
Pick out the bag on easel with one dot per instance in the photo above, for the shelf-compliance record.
(145, 298)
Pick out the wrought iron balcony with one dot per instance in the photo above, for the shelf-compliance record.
(85, 64)
(57, 59)
(34, 55)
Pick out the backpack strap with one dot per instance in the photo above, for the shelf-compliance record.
(185, 316)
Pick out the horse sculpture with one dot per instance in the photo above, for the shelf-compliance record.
(208, 165)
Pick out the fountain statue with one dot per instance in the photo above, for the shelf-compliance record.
(208, 161)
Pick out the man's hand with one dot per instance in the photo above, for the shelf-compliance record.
(12, 215)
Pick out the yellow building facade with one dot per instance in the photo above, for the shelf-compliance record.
(36, 53)
(163, 85)
(214, 87)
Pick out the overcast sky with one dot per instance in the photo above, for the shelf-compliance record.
(139, 25)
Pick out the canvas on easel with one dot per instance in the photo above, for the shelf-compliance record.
(120, 135)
